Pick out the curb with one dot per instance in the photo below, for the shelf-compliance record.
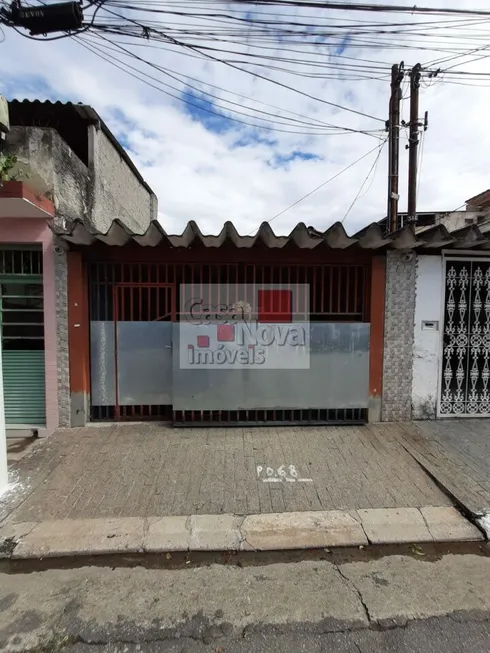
(268, 532)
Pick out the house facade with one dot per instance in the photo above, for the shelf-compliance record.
(95, 323)
(443, 296)
(127, 294)
(69, 167)
(380, 308)
(451, 365)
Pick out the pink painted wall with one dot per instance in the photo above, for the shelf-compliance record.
(25, 231)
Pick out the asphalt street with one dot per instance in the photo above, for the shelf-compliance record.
(428, 636)
(396, 603)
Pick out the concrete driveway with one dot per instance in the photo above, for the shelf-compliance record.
(142, 470)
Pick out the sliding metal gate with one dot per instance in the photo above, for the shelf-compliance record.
(465, 389)
(134, 313)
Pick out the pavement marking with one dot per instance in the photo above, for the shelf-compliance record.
(288, 473)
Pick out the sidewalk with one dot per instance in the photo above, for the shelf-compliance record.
(267, 487)
(457, 454)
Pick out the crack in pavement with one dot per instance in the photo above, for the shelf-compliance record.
(349, 583)
(243, 537)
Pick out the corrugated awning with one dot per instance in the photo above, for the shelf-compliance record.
(303, 237)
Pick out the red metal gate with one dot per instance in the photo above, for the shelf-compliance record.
(140, 302)
(139, 292)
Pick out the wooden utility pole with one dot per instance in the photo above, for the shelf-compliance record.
(413, 143)
(394, 145)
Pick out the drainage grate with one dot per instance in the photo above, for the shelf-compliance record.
(284, 417)
(132, 413)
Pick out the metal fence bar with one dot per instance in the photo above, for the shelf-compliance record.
(147, 291)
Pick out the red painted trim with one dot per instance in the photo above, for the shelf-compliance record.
(20, 190)
(115, 304)
(78, 324)
(377, 310)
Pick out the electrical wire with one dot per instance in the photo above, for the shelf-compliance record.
(372, 170)
(360, 72)
(291, 37)
(352, 6)
(125, 66)
(309, 119)
(176, 77)
(351, 165)
(308, 95)
(193, 104)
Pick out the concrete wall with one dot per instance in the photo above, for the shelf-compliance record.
(51, 168)
(29, 231)
(118, 193)
(428, 327)
(398, 342)
(97, 194)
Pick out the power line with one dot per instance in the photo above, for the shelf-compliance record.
(176, 76)
(351, 165)
(311, 97)
(372, 169)
(93, 49)
(124, 67)
(348, 6)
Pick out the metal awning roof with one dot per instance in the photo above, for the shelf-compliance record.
(335, 237)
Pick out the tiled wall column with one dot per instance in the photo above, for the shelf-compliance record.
(398, 338)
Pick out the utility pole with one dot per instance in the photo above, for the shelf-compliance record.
(393, 126)
(413, 143)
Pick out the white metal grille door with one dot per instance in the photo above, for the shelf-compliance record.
(466, 342)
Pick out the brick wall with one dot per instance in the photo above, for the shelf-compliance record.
(398, 343)
(62, 338)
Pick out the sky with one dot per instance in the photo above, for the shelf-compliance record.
(206, 168)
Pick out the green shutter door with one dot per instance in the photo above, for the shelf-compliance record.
(24, 387)
(22, 338)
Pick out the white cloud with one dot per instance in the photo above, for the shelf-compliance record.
(203, 175)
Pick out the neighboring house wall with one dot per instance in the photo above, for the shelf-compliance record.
(460, 219)
(98, 194)
(109, 187)
(398, 341)
(29, 231)
(428, 331)
(52, 169)
(118, 192)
